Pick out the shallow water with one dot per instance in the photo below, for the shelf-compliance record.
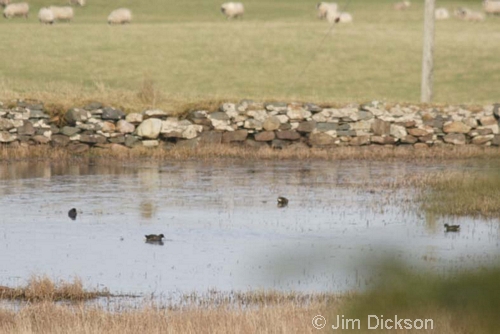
(222, 226)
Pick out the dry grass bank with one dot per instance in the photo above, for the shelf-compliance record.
(44, 289)
(377, 153)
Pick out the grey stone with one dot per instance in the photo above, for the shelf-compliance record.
(298, 114)
(456, 127)
(321, 139)
(496, 110)
(364, 115)
(323, 127)
(276, 106)
(307, 127)
(134, 118)
(265, 136)
(7, 137)
(123, 126)
(314, 108)
(220, 116)
(455, 138)
(59, 140)
(346, 133)
(235, 136)
(398, 131)
(70, 131)
(417, 132)
(38, 114)
(117, 140)
(383, 140)
(255, 144)
(92, 139)
(409, 139)
(26, 129)
(481, 140)
(360, 141)
(271, 123)
(488, 120)
(131, 141)
(6, 124)
(381, 128)
(112, 114)
(253, 124)
(150, 128)
(496, 140)
(288, 135)
(285, 126)
(40, 139)
(76, 115)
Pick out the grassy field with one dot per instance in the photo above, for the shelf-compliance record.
(184, 51)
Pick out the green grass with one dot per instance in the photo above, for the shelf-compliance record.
(192, 53)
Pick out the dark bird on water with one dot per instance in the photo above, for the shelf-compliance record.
(154, 237)
(282, 202)
(72, 213)
(452, 228)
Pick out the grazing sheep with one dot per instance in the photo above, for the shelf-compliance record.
(232, 9)
(62, 13)
(343, 17)
(77, 2)
(4, 3)
(491, 7)
(468, 15)
(45, 15)
(441, 14)
(120, 16)
(403, 5)
(324, 8)
(16, 9)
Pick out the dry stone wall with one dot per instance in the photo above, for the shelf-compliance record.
(253, 124)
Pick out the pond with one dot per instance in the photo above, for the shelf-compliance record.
(222, 227)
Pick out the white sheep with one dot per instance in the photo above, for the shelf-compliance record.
(324, 7)
(16, 9)
(120, 16)
(4, 3)
(468, 15)
(491, 7)
(403, 5)
(77, 2)
(45, 15)
(232, 9)
(64, 13)
(340, 17)
(441, 14)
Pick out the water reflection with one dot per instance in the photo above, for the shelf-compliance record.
(223, 226)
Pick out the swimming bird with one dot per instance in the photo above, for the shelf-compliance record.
(154, 237)
(282, 202)
(72, 213)
(452, 228)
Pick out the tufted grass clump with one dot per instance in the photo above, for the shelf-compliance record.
(42, 288)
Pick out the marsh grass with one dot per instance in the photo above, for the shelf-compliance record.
(42, 288)
(279, 51)
(109, 153)
(462, 194)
